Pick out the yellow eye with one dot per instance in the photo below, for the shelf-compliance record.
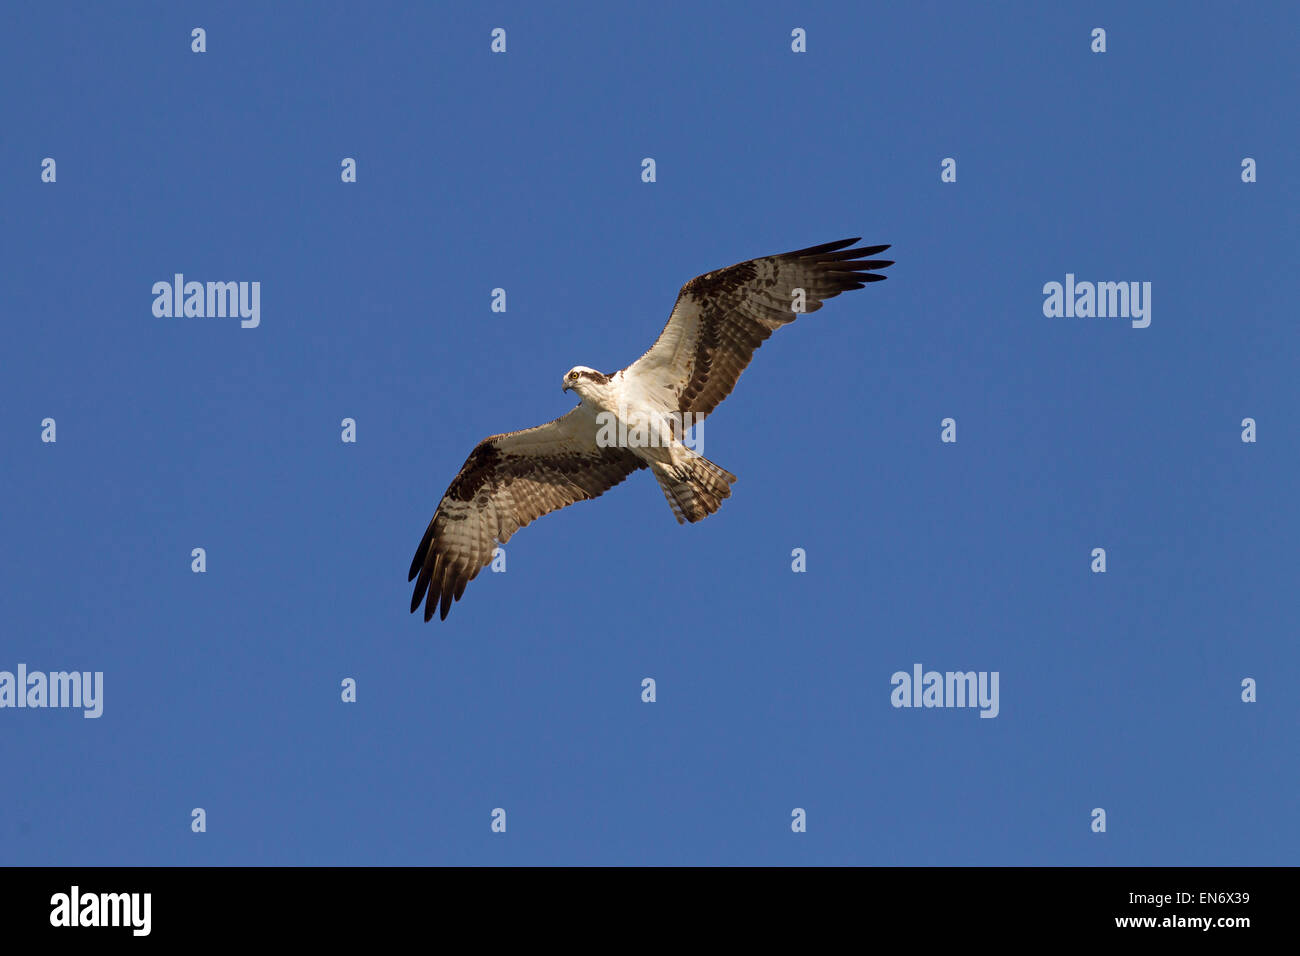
(573, 375)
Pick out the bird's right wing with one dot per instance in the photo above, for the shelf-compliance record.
(722, 317)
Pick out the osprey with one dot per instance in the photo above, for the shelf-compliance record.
(719, 320)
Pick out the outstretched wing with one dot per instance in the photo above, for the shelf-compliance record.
(508, 481)
(721, 317)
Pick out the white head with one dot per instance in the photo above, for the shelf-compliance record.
(587, 382)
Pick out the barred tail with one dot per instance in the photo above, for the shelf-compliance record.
(695, 488)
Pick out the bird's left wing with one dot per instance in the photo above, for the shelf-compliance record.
(508, 481)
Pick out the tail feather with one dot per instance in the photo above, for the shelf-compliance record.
(694, 489)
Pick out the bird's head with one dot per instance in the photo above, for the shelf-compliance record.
(582, 380)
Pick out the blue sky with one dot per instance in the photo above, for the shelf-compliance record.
(1119, 690)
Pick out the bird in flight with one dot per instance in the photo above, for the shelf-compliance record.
(632, 419)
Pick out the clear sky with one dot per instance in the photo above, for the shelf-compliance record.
(523, 171)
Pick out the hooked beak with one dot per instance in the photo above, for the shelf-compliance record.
(564, 385)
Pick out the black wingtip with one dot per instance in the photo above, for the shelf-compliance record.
(825, 247)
